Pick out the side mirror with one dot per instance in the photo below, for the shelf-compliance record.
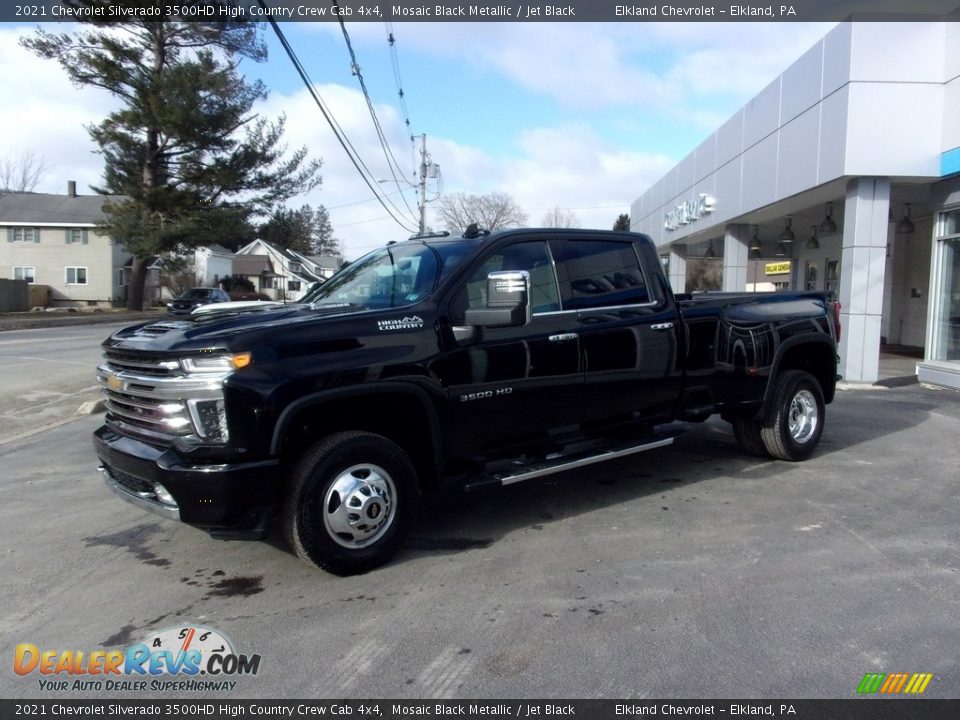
(508, 301)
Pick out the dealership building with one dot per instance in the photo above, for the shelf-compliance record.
(842, 175)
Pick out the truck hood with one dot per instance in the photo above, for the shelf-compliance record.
(230, 329)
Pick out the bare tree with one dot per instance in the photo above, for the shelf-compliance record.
(493, 211)
(21, 173)
(704, 274)
(560, 218)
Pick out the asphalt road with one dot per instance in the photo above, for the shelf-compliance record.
(46, 374)
(690, 571)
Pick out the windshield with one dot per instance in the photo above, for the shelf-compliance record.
(389, 277)
(195, 294)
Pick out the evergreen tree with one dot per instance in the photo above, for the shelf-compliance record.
(622, 223)
(306, 230)
(187, 159)
(324, 241)
(291, 229)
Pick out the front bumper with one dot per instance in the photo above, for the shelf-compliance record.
(228, 500)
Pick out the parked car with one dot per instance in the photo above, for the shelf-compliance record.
(193, 298)
(440, 362)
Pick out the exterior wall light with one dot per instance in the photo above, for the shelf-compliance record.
(754, 253)
(828, 225)
(905, 226)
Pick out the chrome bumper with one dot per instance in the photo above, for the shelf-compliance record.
(141, 498)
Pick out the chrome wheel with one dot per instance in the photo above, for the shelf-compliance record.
(803, 416)
(359, 506)
(795, 417)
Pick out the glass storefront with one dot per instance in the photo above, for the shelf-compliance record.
(945, 326)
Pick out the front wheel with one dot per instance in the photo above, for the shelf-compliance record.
(351, 501)
(748, 433)
(794, 423)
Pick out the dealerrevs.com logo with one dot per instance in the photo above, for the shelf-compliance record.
(178, 659)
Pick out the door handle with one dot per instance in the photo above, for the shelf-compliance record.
(563, 337)
(661, 326)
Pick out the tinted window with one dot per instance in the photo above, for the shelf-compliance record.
(393, 276)
(534, 257)
(195, 294)
(604, 273)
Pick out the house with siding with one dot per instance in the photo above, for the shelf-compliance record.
(283, 274)
(52, 240)
(212, 263)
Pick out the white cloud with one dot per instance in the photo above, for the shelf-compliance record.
(691, 74)
(47, 115)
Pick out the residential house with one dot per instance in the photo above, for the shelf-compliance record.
(212, 263)
(283, 274)
(52, 240)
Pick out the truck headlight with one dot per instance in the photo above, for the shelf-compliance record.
(215, 363)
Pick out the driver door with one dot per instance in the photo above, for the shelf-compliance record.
(510, 386)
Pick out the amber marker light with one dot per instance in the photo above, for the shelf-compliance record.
(241, 360)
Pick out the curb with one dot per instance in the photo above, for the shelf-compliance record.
(859, 386)
(33, 321)
(92, 407)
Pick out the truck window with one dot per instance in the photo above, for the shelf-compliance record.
(385, 278)
(604, 274)
(532, 256)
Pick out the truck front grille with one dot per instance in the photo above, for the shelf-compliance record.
(154, 399)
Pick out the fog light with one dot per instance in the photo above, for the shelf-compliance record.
(163, 495)
(210, 418)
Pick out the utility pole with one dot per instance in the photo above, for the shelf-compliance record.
(423, 184)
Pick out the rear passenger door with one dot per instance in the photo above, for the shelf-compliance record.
(627, 331)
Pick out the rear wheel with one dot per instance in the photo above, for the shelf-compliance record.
(794, 423)
(351, 501)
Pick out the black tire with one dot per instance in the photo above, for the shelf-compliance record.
(351, 501)
(795, 419)
(747, 432)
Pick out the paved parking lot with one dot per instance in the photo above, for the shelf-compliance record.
(689, 571)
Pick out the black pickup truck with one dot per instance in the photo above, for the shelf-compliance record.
(441, 363)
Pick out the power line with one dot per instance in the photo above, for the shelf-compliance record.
(398, 81)
(388, 155)
(331, 121)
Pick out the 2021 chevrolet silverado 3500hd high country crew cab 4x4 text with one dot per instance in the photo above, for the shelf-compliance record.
(446, 362)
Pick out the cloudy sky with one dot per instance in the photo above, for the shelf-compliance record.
(579, 116)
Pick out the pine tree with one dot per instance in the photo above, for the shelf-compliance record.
(325, 243)
(187, 160)
(306, 230)
(622, 223)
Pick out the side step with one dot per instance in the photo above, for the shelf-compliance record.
(569, 461)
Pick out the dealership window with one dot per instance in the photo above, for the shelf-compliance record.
(24, 272)
(810, 282)
(831, 280)
(75, 276)
(945, 327)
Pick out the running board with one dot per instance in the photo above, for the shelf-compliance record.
(553, 465)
